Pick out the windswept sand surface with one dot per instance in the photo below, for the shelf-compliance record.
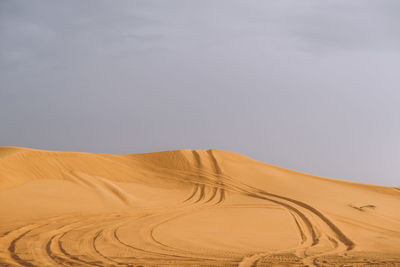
(187, 208)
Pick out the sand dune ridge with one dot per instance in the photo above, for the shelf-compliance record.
(187, 208)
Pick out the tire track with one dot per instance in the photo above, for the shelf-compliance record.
(197, 159)
(31, 237)
(13, 243)
(162, 255)
(53, 256)
(73, 257)
(198, 257)
(97, 235)
(196, 188)
(338, 233)
(295, 206)
(199, 166)
(306, 221)
(14, 255)
(302, 235)
(6, 233)
(91, 236)
(222, 196)
(202, 193)
(115, 234)
(216, 167)
(167, 252)
(201, 187)
(217, 173)
(57, 259)
(214, 194)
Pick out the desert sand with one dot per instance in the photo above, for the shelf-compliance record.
(187, 208)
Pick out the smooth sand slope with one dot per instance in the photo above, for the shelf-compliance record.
(187, 208)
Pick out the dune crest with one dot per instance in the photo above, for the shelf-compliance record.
(187, 208)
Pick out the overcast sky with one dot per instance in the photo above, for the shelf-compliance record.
(310, 85)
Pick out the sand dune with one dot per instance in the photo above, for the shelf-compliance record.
(187, 208)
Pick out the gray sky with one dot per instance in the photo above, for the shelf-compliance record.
(308, 85)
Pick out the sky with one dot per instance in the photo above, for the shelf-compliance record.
(311, 85)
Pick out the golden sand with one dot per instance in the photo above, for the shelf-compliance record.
(187, 208)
